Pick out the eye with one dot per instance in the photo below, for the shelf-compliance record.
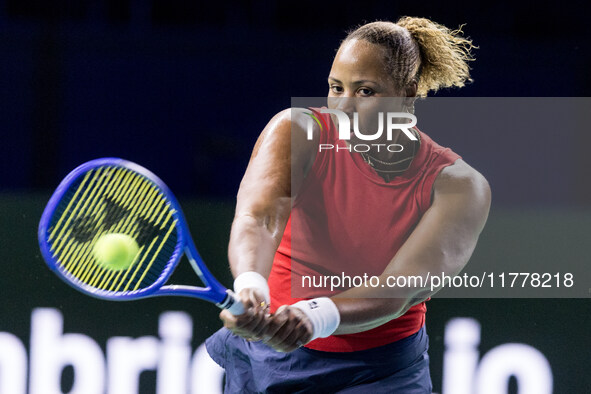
(336, 89)
(365, 92)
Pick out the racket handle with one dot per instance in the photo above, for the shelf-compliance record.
(232, 303)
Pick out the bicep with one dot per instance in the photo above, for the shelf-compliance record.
(276, 169)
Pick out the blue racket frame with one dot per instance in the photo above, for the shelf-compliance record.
(214, 292)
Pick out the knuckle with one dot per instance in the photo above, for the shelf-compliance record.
(281, 309)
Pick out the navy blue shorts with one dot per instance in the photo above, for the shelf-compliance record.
(253, 367)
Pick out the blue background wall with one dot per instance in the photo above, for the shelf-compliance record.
(155, 81)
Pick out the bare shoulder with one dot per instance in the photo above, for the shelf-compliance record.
(292, 125)
(288, 130)
(297, 120)
(462, 194)
(283, 151)
(461, 178)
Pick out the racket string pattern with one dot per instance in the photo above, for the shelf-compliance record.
(105, 200)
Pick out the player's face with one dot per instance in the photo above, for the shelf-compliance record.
(358, 82)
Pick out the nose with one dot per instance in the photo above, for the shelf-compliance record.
(344, 104)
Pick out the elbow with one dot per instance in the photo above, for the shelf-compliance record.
(270, 220)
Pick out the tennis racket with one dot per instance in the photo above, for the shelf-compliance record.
(115, 196)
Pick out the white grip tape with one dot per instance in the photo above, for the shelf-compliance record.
(253, 280)
(323, 314)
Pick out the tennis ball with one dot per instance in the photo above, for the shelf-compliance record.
(115, 251)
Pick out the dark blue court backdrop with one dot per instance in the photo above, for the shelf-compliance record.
(182, 84)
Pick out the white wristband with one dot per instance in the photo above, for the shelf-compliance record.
(253, 280)
(323, 314)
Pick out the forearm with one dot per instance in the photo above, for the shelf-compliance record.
(358, 311)
(252, 246)
(254, 238)
(362, 309)
(358, 315)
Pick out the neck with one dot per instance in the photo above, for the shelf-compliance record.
(393, 157)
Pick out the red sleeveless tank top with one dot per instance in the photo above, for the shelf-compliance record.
(347, 221)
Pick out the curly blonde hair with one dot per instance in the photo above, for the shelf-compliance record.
(420, 50)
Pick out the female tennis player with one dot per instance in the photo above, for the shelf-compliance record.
(398, 206)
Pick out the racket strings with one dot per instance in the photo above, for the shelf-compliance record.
(143, 233)
(82, 256)
(113, 200)
(96, 213)
(126, 227)
(76, 249)
(64, 219)
(79, 263)
(116, 214)
(109, 276)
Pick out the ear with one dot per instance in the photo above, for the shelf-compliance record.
(411, 94)
(411, 89)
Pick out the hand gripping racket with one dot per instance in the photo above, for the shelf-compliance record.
(115, 196)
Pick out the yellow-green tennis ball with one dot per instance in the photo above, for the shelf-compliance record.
(115, 251)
